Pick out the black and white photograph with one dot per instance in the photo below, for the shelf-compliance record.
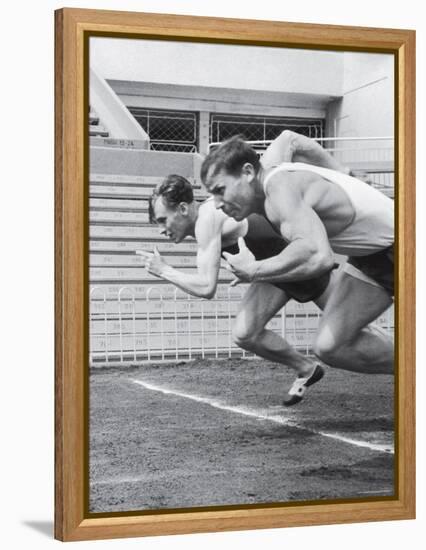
(241, 275)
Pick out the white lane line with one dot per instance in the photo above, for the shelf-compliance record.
(277, 419)
(381, 447)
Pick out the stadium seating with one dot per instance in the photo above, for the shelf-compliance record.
(134, 315)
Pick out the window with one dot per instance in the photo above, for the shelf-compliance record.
(169, 130)
(261, 128)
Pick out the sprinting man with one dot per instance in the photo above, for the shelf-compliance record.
(179, 215)
(317, 211)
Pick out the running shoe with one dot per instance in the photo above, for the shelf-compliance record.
(298, 389)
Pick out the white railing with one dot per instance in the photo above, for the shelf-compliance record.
(131, 327)
(372, 156)
(347, 149)
(386, 141)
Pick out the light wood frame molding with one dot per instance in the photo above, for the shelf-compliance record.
(73, 26)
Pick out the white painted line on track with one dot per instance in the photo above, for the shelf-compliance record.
(277, 419)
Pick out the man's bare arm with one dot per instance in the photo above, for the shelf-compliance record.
(308, 253)
(292, 147)
(203, 283)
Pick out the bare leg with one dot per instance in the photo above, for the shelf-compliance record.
(344, 340)
(261, 302)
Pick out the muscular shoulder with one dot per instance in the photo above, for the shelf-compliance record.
(209, 222)
(208, 213)
(283, 182)
(213, 223)
(285, 193)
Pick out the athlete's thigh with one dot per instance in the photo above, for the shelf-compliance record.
(260, 303)
(351, 306)
(321, 301)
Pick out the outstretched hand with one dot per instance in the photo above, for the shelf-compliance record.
(242, 265)
(154, 263)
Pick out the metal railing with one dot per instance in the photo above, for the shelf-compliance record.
(373, 148)
(372, 156)
(132, 327)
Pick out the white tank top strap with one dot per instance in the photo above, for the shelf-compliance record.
(283, 167)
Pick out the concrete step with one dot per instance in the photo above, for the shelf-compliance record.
(134, 192)
(98, 130)
(98, 141)
(140, 275)
(126, 247)
(118, 218)
(120, 161)
(118, 205)
(134, 260)
(120, 179)
(141, 233)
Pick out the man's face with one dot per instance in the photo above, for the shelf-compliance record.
(173, 222)
(233, 194)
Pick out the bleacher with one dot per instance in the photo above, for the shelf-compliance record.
(135, 315)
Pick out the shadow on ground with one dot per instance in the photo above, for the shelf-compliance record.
(43, 527)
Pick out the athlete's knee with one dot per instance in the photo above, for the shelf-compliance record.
(327, 347)
(245, 336)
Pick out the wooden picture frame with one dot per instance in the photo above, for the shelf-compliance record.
(73, 27)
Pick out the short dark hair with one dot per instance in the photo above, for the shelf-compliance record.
(230, 156)
(174, 190)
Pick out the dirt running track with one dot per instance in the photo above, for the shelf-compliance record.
(211, 433)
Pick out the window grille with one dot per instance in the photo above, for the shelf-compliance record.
(261, 128)
(169, 130)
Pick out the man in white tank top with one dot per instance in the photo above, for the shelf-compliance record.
(173, 208)
(318, 211)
